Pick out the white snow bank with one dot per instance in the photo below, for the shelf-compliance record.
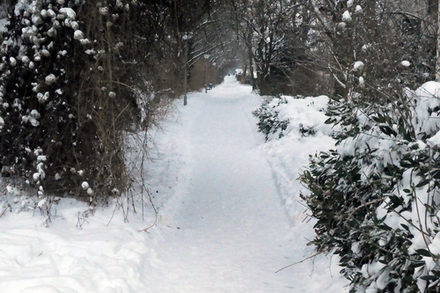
(426, 97)
(79, 252)
(63, 258)
(305, 113)
(289, 155)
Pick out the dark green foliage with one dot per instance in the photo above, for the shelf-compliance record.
(358, 190)
(268, 121)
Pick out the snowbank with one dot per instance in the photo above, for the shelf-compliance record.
(62, 258)
(305, 134)
(289, 155)
(83, 252)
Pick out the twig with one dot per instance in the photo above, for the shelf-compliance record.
(4, 211)
(301, 261)
(149, 227)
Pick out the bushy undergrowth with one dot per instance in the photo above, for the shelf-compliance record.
(71, 84)
(271, 124)
(376, 196)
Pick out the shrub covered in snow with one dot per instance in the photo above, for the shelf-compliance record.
(70, 85)
(269, 122)
(376, 196)
(375, 50)
(275, 115)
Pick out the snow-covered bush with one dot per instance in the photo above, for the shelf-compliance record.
(275, 115)
(75, 77)
(374, 46)
(68, 93)
(3, 18)
(37, 111)
(376, 196)
(269, 122)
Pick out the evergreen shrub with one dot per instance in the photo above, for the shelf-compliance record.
(376, 195)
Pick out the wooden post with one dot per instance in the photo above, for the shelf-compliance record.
(206, 57)
(206, 76)
(185, 72)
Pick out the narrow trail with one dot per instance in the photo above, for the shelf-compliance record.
(225, 230)
(222, 224)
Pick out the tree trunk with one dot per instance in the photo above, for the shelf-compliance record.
(437, 63)
(251, 69)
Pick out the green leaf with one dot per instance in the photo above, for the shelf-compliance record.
(423, 252)
(387, 130)
(329, 121)
(423, 183)
(429, 278)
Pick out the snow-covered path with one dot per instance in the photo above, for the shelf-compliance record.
(225, 229)
(223, 222)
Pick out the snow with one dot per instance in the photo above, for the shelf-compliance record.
(405, 63)
(358, 66)
(342, 25)
(12, 61)
(426, 97)
(42, 98)
(78, 35)
(68, 12)
(51, 13)
(103, 10)
(230, 212)
(186, 37)
(63, 258)
(287, 164)
(433, 141)
(41, 158)
(224, 223)
(50, 79)
(33, 118)
(85, 185)
(429, 89)
(346, 16)
(3, 23)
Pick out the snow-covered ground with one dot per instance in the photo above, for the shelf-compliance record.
(288, 156)
(227, 220)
